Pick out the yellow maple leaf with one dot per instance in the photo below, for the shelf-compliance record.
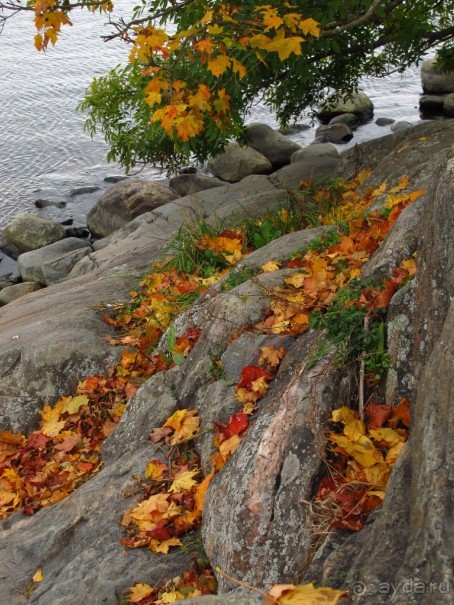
(249, 408)
(229, 446)
(270, 266)
(389, 436)
(139, 592)
(271, 356)
(38, 577)
(306, 594)
(219, 65)
(204, 46)
(184, 482)
(362, 450)
(163, 547)
(297, 279)
(148, 510)
(155, 470)
(309, 26)
(271, 19)
(344, 415)
(403, 184)
(185, 423)
(170, 596)
(377, 474)
(286, 46)
(393, 452)
(238, 68)
(72, 404)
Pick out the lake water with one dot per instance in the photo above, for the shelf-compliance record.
(44, 153)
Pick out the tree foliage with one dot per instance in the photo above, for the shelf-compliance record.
(196, 66)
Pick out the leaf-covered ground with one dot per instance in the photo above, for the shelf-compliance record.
(45, 466)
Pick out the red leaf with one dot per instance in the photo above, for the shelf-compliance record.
(251, 373)
(37, 439)
(378, 415)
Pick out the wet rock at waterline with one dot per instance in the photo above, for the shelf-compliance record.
(333, 133)
(434, 80)
(123, 202)
(340, 103)
(384, 121)
(29, 232)
(238, 162)
(448, 105)
(350, 119)
(276, 147)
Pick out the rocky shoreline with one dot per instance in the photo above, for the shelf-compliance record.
(254, 521)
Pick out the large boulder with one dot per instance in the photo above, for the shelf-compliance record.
(313, 168)
(238, 162)
(315, 150)
(357, 103)
(125, 201)
(434, 80)
(29, 232)
(31, 264)
(276, 147)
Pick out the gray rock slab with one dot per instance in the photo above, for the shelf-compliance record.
(271, 143)
(31, 264)
(254, 514)
(29, 232)
(312, 169)
(238, 162)
(76, 543)
(124, 201)
(245, 350)
(284, 247)
(14, 291)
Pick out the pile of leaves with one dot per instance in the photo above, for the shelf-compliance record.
(361, 458)
(325, 270)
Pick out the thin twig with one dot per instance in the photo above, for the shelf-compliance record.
(362, 373)
(248, 586)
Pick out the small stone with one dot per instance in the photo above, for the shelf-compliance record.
(66, 222)
(83, 190)
(186, 184)
(384, 121)
(295, 129)
(399, 126)
(114, 178)
(43, 203)
(79, 232)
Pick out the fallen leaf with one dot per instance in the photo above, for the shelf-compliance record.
(184, 482)
(38, 577)
(139, 592)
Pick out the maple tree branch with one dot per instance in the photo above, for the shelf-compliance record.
(336, 27)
